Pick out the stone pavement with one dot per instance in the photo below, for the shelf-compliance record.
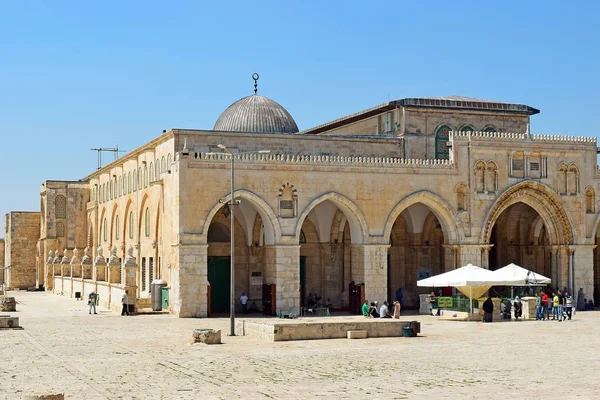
(105, 356)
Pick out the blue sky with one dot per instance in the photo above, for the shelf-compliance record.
(76, 75)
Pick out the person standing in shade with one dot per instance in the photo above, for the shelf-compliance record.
(488, 309)
(538, 306)
(125, 302)
(544, 306)
(431, 302)
(365, 309)
(400, 296)
(580, 300)
(244, 301)
(92, 302)
(555, 303)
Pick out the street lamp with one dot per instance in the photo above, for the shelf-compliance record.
(232, 203)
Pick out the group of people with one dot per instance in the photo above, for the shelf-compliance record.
(558, 304)
(313, 300)
(373, 310)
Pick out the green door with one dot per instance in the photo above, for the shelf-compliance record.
(302, 280)
(219, 278)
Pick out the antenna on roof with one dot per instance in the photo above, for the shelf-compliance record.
(114, 150)
(255, 76)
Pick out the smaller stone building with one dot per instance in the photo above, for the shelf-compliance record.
(21, 234)
(1, 261)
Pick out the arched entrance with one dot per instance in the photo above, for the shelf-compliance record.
(528, 225)
(330, 226)
(520, 236)
(416, 252)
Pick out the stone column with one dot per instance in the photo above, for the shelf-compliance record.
(485, 256)
(65, 265)
(129, 279)
(114, 267)
(282, 264)
(75, 264)
(189, 280)
(371, 260)
(554, 264)
(583, 269)
(87, 266)
(450, 257)
(49, 272)
(100, 266)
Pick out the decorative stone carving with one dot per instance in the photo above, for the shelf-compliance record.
(75, 259)
(65, 259)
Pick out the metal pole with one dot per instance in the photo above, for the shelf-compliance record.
(232, 258)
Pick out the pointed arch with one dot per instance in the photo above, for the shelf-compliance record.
(268, 216)
(442, 136)
(590, 200)
(453, 231)
(490, 128)
(358, 224)
(542, 199)
(467, 128)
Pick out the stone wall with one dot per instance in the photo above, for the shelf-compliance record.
(2, 261)
(22, 232)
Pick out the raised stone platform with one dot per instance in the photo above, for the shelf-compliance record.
(277, 330)
(8, 303)
(8, 322)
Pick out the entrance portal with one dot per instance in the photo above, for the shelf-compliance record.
(219, 276)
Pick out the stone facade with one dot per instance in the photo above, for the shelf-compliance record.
(2, 261)
(21, 233)
(438, 184)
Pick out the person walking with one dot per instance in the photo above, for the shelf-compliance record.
(125, 303)
(545, 314)
(555, 303)
(518, 307)
(538, 307)
(569, 306)
(431, 302)
(397, 307)
(561, 302)
(92, 302)
(244, 301)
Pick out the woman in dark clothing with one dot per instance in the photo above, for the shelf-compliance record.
(518, 306)
(488, 310)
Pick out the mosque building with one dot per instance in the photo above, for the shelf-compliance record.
(351, 209)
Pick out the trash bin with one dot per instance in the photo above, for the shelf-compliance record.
(416, 327)
(157, 286)
(407, 331)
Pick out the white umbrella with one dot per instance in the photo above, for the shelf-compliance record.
(514, 275)
(464, 279)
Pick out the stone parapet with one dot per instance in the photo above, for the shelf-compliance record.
(508, 136)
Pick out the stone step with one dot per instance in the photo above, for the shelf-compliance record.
(357, 334)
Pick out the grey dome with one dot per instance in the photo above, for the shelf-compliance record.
(256, 114)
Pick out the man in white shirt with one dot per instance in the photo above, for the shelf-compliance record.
(244, 301)
(125, 301)
(383, 311)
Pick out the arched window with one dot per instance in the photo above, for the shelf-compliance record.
(123, 179)
(60, 229)
(490, 129)
(442, 135)
(111, 190)
(479, 177)
(147, 222)
(157, 168)
(134, 180)
(164, 165)
(105, 230)
(145, 176)
(117, 227)
(467, 128)
(491, 177)
(590, 200)
(169, 162)
(562, 178)
(573, 179)
(139, 182)
(130, 226)
(60, 206)
(151, 172)
(129, 182)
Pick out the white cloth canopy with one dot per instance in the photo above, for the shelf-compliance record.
(514, 275)
(471, 280)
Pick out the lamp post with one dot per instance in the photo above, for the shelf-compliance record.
(232, 203)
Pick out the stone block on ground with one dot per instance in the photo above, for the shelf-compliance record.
(7, 322)
(357, 334)
(8, 303)
(53, 396)
(208, 336)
